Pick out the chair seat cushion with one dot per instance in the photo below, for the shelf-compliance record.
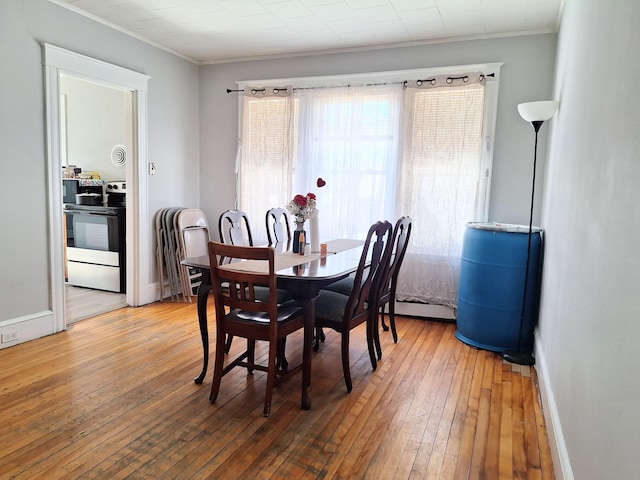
(343, 286)
(330, 307)
(284, 313)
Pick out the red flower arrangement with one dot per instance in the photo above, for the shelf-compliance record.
(302, 207)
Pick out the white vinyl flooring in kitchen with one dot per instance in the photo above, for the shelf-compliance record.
(84, 303)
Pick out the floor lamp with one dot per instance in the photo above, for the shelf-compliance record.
(535, 113)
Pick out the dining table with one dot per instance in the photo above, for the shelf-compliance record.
(303, 276)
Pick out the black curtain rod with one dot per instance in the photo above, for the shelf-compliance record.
(464, 78)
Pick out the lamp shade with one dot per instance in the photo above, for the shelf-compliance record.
(538, 111)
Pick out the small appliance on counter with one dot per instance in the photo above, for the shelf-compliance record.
(75, 190)
(94, 199)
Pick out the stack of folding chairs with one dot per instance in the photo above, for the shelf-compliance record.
(180, 233)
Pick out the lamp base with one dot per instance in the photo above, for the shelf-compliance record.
(521, 358)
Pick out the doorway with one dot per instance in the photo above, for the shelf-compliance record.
(96, 120)
(60, 63)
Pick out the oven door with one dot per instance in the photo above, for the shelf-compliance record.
(96, 230)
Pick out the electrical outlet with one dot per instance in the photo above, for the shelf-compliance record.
(10, 336)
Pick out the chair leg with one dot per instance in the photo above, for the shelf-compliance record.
(228, 344)
(217, 368)
(392, 318)
(251, 350)
(271, 376)
(372, 325)
(376, 338)
(281, 359)
(345, 360)
(384, 325)
(320, 337)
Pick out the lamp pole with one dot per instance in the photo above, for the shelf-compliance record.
(518, 356)
(535, 113)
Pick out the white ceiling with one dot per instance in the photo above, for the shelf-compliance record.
(212, 31)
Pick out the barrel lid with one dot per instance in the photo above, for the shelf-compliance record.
(503, 227)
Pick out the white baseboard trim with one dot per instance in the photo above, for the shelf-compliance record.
(152, 293)
(27, 327)
(559, 454)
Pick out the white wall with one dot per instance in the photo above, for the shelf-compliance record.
(97, 119)
(173, 140)
(526, 75)
(589, 321)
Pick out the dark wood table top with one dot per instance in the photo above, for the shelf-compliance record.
(342, 258)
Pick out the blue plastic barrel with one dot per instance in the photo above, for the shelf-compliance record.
(491, 292)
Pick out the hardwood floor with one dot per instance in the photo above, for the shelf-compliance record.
(113, 397)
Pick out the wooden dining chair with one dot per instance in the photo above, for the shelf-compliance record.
(234, 229)
(278, 228)
(343, 313)
(389, 283)
(249, 317)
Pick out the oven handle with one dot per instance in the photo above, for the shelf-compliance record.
(89, 212)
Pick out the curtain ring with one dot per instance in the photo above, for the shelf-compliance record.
(449, 80)
(481, 77)
(433, 81)
(276, 91)
(419, 83)
(254, 91)
(465, 79)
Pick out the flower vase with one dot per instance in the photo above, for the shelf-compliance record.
(296, 237)
(314, 239)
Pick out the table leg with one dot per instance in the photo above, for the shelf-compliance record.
(203, 294)
(309, 321)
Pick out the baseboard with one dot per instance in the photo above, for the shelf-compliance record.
(559, 454)
(151, 294)
(27, 327)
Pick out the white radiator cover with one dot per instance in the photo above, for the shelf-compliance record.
(424, 310)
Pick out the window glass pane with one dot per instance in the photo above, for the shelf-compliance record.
(349, 137)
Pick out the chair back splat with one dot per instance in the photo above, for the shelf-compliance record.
(239, 312)
(342, 313)
(278, 228)
(234, 229)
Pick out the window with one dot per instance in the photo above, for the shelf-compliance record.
(350, 139)
(387, 150)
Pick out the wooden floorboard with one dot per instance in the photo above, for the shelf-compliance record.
(113, 397)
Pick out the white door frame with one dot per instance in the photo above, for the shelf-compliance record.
(58, 61)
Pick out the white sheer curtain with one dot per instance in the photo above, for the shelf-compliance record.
(438, 188)
(349, 137)
(384, 151)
